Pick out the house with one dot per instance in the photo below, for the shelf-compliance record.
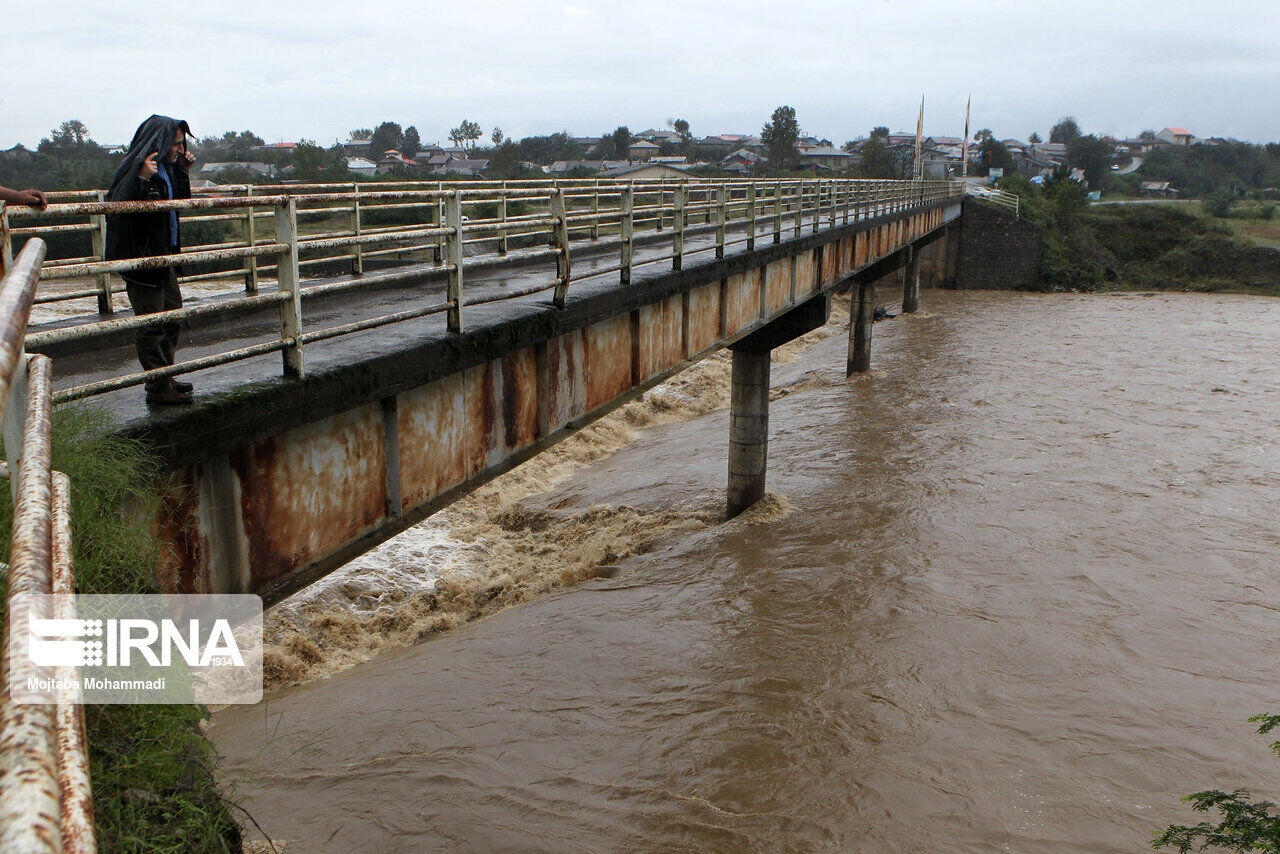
(825, 156)
(561, 167)
(393, 159)
(649, 170)
(361, 166)
(1055, 151)
(1157, 190)
(1177, 136)
(1032, 162)
(287, 147)
(718, 142)
(200, 185)
(356, 147)
(657, 136)
(673, 160)
(465, 166)
(641, 150)
(263, 170)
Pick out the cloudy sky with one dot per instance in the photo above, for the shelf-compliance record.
(289, 70)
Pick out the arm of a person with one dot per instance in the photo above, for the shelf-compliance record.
(31, 198)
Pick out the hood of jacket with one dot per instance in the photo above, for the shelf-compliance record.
(154, 136)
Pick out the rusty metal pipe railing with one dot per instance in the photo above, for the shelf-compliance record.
(570, 209)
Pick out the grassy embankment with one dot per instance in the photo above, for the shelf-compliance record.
(151, 767)
(1150, 246)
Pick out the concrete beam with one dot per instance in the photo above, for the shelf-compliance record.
(805, 317)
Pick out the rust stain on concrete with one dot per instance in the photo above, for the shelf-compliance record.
(805, 272)
(311, 490)
(183, 566)
(431, 422)
(742, 301)
(777, 285)
(482, 389)
(566, 378)
(659, 344)
(519, 398)
(704, 317)
(608, 360)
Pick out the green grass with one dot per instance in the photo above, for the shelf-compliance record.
(152, 769)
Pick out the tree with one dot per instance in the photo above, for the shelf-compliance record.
(1246, 825)
(780, 135)
(983, 135)
(1066, 131)
(69, 139)
(1034, 138)
(411, 144)
(875, 161)
(361, 135)
(1147, 134)
(386, 136)
(496, 136)
(1093, 155)
(621, 138)
(467, 132)
(993, 155)
(681, 126)
(311, 162)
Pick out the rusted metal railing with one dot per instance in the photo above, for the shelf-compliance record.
(450, 217)
(46, 804)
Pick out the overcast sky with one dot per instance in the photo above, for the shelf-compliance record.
(289, 70)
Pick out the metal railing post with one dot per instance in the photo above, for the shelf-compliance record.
(751, 216)
(436, 219)
(560, 240)
(817, 206)
(677, 241)
(595, 211)
(453, 257)
(6, 242)
(99, 238)
(502, 217)
(777, 211)
(721, 192)
(288, 280)
(250, 240)
(799, 224)
(627, 205)
(357, 263)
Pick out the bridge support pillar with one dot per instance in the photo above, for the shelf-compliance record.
(861, 319)
(749, 398)
(748, 428)
(911, 285)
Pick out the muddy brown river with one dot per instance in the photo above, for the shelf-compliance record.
(1017, 590)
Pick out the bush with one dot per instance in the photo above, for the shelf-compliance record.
(1219, 204)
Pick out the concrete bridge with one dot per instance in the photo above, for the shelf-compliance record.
(405, 389)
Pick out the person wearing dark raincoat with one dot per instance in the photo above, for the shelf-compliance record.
(154, 168)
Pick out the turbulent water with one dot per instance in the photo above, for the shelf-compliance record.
(1015, 590)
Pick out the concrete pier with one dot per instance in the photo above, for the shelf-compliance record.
(911, 284)
(748, 428)
(860, 323)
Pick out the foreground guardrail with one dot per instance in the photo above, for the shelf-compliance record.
(453, 217)
(46, 804)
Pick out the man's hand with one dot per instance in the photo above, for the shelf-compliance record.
(149, 167)
(32, 198)
(185, 160)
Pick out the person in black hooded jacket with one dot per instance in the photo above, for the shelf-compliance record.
(154, 168)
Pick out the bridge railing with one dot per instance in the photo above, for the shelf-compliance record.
(1000, 198)
(46, 803)
(451, 221)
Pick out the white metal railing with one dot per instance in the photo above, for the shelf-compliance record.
(1002, 198)
(46, 804)
(451, 216)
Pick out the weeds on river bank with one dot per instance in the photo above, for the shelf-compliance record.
(1150, 247)
(1245, 826)
(151, 768)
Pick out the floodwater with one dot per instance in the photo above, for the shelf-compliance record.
(1016, 590)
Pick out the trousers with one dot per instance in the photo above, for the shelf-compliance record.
(157, 344)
